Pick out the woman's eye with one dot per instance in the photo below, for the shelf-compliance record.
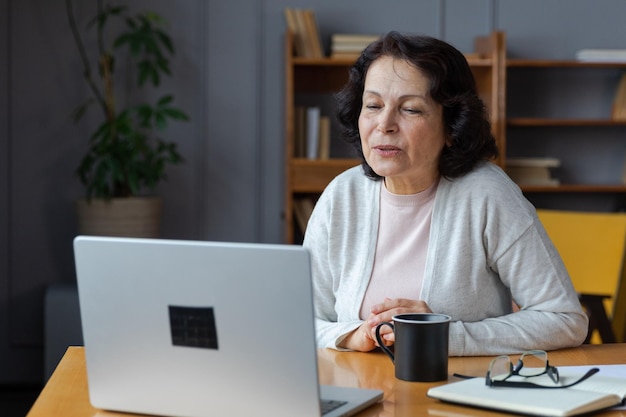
(372, 106)
(412, 110)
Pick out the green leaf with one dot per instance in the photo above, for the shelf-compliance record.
(122, 40)
(156, 80)
(167, 99)
(166, 41)
(164, 66)
(160, 121)
(130, 22)
(175, 114)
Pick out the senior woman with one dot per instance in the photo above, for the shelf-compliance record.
(427, 223)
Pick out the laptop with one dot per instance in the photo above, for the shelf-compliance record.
(193, 328)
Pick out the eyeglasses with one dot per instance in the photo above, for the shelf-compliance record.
(530, 364)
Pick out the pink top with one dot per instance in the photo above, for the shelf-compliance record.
(401, 249)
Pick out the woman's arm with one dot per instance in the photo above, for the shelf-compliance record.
(489, 248)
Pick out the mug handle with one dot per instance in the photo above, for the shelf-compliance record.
(380, 340)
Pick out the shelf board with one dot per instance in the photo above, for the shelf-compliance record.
(547, 63)
(312, 176)
(521, 121)
(325, 62)
(472, 59)
(478, 61)
(575, 188)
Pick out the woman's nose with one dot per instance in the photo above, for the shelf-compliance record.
(387, 122)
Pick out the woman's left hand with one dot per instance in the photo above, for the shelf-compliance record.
(391, 307)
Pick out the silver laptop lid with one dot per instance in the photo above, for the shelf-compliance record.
(197, 328)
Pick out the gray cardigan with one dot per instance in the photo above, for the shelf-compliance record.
(486, 246)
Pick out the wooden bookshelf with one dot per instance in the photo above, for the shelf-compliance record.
(594, 124)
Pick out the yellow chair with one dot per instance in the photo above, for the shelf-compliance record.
(592, 246)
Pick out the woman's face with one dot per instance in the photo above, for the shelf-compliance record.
(401, 126)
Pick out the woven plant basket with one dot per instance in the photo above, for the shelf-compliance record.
(128, 217)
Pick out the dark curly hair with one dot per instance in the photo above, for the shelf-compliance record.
(452, 85)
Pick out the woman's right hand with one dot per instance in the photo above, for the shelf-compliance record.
(362, 338)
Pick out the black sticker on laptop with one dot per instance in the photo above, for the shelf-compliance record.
(193, 327)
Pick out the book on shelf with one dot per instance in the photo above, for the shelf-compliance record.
(299, 134)
(619, 102)
(534, 162)
(595, 393)
(601, 55)
(345, 45)
(311, 133)
(345, 55)
(313, 115)
(354, 38)
(294, 28)
(532, 171)
(313, 34)
(303, 207)
(303, 25)
(323, 149)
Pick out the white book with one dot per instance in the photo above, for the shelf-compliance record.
(313, 115)
(532, 171)
(348, 48)
(353, 38)
(596, 393)
(601, 55)
(533, 162)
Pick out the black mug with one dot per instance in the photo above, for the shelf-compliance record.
(421, 346)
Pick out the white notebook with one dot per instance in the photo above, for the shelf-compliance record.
(596, 393)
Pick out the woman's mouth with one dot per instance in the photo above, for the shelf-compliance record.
(387, 150)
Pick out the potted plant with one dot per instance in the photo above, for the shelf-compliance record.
(126, 156)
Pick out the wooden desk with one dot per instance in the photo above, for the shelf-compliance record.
(66, 394)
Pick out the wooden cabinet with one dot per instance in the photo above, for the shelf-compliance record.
(554, 99)
(307, 79)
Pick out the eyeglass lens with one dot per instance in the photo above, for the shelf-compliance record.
(532, 363)
(500, 368)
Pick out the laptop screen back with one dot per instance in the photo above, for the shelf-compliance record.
(197, 328)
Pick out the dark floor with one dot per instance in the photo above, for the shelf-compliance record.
(16, 401)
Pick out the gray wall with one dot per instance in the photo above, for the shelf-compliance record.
(228, 75)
